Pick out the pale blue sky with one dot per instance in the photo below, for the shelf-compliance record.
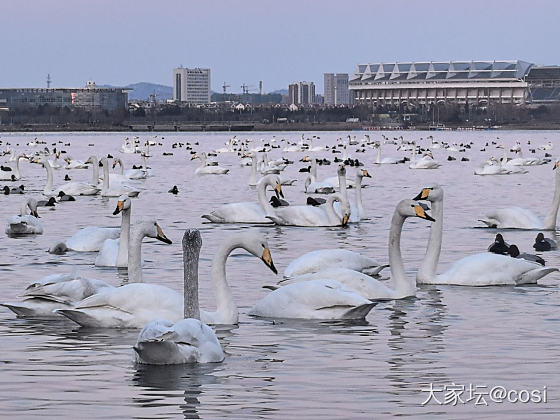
(126, 41)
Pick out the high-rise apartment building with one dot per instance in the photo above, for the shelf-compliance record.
(191, 85)
(336, 89)
(302, 93)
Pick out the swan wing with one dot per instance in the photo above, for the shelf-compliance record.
(129, 306)
(244, 212)
(91, 238)
(318, 260)
(513, 217)
(187, 341)
(107, 256)
(314, 299)
(302, 216)
(487, 269)
(361, 283)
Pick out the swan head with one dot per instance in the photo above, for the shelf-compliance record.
(364, 173)
(556, 164)
(257, 245)
(91, 159)
(432, 194)
(123, 203)
(151, 229)
(341, 170)
(32, 205)
(410, 208)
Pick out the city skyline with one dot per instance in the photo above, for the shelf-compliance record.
(125, 42)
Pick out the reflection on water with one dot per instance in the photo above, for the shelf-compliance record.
(285, 369)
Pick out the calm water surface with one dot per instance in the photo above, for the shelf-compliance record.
(379, 368)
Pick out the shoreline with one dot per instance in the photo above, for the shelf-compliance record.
(240, 127)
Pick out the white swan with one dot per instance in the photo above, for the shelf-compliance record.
(357, 208)
(128, 174)
(425, 162)
(70, 188)
(114, 252)
(312, 186)
(16, 175)
(247, 212)
(492, 167)
(385, 160)
(55, 291)
(115, 189)
(310, 216)
(520, 218)
(162, 342)
(134, 305)
(367, 286)
(484, 269)
(205, 169)
(25, 224)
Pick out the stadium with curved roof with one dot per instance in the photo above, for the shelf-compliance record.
(476, 82)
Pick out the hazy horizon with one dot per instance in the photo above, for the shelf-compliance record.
(126, 42)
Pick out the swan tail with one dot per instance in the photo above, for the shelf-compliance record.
(79, 317)
(213, 218)
(275, 219)
(359, 312)
(271, 287)
(374, 271)
(20, 310)
(489, 223)
(534, 275)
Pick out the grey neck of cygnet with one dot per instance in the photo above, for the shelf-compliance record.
(192, 242)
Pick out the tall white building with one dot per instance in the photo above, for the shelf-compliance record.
(302, 93)
(336, 89)
(191, 85)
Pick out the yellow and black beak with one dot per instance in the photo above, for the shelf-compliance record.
(34, 213)
(424, 194)
(114, 164)
(194, 157)
(555, 165)
(366, 173)
(267, 259)
(345, 219)
(161, 236)
(421, 213)
(120, 206)
(278, 190)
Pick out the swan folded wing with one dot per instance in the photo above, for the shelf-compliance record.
(513, 217)
(302, 216)
(487, 269)
(320, 259)
(91, 238)
(67, 291)
(107, 256)
(534, 275)
(245, 212)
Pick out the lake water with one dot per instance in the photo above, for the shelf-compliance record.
(445, 336)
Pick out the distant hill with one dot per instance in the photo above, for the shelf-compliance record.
(281, 91)
(143, 90)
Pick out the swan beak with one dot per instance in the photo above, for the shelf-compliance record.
(345, 219)
(424, 194)
(278, 190)
(420, 212)
(161, 236)
(120, 206)
(114, 164)
(555, 165)
(34, 213)
(194, 157)
(366, 173)
(267, 259)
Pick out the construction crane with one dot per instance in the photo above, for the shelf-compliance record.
(224, 87)
(245, 89)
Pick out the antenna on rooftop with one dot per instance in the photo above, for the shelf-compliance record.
(49, 80)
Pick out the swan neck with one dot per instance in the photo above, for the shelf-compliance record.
(122, 256)
(334, 218)
(253, 177)
(403, 287)
(268, 209)
(428, 267)
(95, 176)
(134, 256)
(359, 204)
(105, 174)
(17, 174)
(192, 242)
(225, 306)
(49, 186)
(550, 219)
(313, 171)
(378, 161)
